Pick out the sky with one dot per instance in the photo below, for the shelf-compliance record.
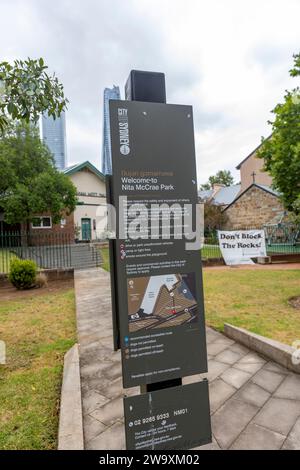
(229, 59)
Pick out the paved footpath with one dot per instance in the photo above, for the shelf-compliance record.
(255, 403)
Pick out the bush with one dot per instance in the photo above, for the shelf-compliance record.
(22, 273)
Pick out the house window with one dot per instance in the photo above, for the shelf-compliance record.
(41, 222)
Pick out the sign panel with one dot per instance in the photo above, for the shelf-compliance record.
(171, 418)
(240, 246)
(159, 295)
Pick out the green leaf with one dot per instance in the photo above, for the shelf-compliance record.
(10, 108)
(30, 90)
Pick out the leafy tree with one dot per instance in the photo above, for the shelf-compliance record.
(281, 152)
(27, 91)
(221, 177)
(30, 184)
(214, 218)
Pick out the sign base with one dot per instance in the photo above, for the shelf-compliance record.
(171, 418)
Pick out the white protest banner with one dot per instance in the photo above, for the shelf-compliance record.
(239, 246)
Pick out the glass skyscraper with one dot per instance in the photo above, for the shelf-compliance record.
(54, 136)
(109, 94)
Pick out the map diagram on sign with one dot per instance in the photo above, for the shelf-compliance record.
(161, 301)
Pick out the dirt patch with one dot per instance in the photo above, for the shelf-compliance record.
(8, 292)
(295, 301)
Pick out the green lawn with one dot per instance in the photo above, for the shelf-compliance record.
(37, 330)
(5, 258)
(211, 251)
(105, 258)
(255, 300)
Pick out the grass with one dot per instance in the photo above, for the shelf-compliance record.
(5, 259)
(255, 300)
(37, 331)
(105, 258)
(211, 251)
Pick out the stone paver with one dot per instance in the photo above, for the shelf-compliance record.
(252, 358)
(215, 348)
(268, 380)
(228, 356)
(256, 437)
(219, 392)
(93, 428)
(255, 403)
(212, 335)
(215, 369)
(253, 394)
(293, 440)
(235, 377)
(93, 400)
(230, 420)
(238, 348)
(251, 368)
(109, 413)
(212, 446)
(289, 388)
(273, 367)
(112, 438)
(279, 415)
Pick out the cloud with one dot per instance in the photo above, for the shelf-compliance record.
(230, 60)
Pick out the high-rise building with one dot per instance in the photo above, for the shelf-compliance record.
(109, 94)
(54, 136)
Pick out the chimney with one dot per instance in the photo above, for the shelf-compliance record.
(216, 188)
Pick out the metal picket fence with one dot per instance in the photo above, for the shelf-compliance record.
(58, 250)
(47, 250)
(281, 239)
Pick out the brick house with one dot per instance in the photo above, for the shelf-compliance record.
(257, 203)
(254, 207)
(42, 231)
(251, 170)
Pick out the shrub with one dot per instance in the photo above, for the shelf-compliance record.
(22, 273)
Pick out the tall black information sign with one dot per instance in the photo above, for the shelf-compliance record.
(159, 296)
